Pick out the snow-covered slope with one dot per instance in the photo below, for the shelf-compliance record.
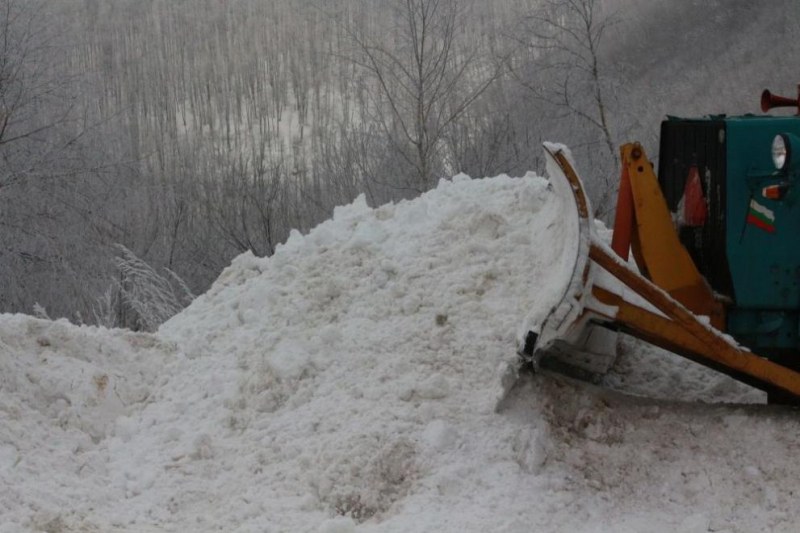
(360, 381)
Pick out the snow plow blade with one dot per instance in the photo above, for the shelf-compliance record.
(606, 293)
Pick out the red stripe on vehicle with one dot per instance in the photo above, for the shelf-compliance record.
(757, 222)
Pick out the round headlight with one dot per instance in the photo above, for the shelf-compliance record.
(779, 152)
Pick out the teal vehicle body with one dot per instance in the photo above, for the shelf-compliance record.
(763, 236)
(749, 247)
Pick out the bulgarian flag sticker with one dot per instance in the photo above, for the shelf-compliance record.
(761, 217)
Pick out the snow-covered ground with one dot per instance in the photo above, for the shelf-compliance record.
(363, 380)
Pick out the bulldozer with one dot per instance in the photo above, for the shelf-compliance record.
(715, 242)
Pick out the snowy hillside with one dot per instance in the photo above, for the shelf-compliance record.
(363, 379)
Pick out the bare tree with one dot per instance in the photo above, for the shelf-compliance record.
(562, 67)
(34, 87)
(566, 37)
(426, 79)
(246, 204)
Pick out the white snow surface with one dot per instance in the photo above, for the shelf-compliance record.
(363, 379)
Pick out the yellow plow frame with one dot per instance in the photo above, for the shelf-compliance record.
(674, 309)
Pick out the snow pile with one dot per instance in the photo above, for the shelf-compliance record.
(368, 352)
(359, 381)
(63, 391)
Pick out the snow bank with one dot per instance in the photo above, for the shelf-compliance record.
(369, 349)
(65, 391)
(358, 381)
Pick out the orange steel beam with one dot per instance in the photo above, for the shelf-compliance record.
(681, 331)
(646, 223)
(623, 218)
(668, 333)
(661, 331)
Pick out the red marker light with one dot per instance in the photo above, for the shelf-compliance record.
(774, 192)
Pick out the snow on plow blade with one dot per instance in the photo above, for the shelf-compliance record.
(565, 335)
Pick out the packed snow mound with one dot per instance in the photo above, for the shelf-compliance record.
(363, 379)
(449, 274)
(63, 390)
(360, 348)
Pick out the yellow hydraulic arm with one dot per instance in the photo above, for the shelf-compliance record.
(680, 331)
(644, 224)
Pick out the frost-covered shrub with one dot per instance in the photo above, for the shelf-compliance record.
(142, 298)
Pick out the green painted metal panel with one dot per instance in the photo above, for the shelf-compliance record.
(764, 258)
(763, 236)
